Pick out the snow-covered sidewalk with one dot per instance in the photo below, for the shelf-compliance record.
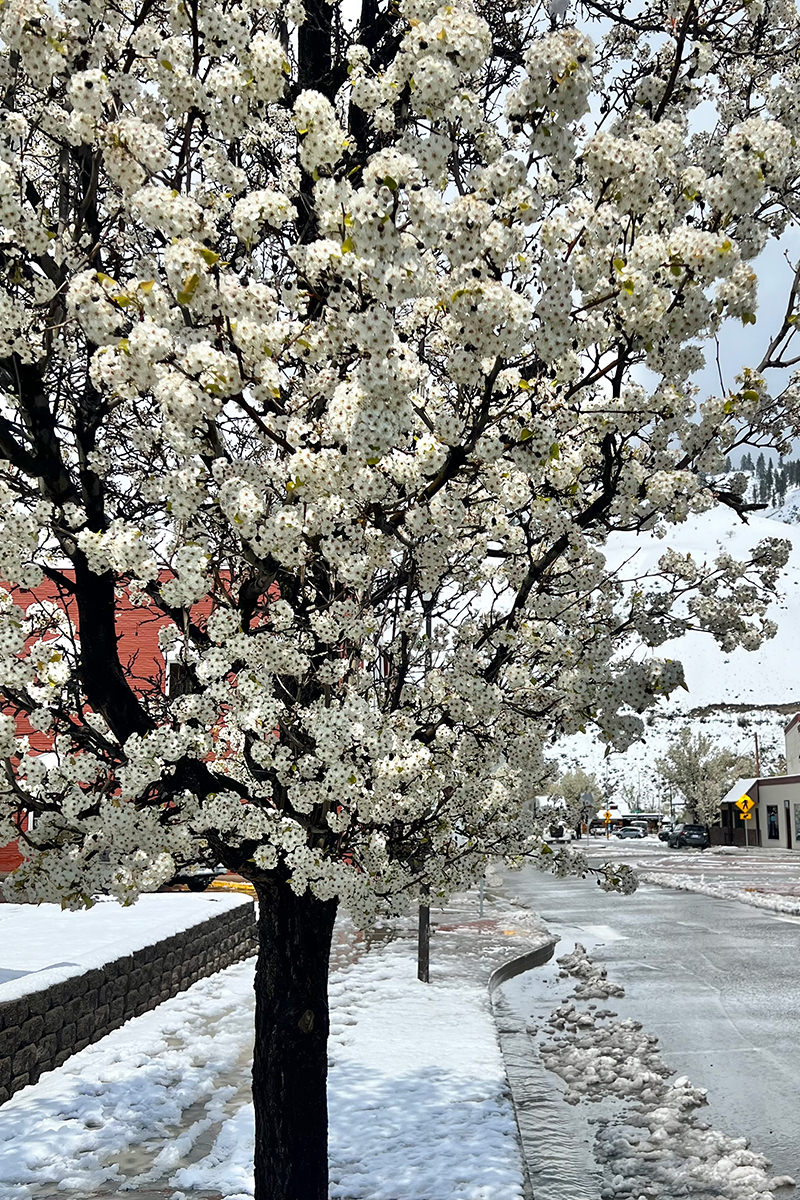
(419, 1103)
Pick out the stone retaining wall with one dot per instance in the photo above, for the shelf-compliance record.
(40, 1030)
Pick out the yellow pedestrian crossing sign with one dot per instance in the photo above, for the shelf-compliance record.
(745, 804)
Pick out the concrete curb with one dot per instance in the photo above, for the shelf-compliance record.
(525, 962)
(509, 970)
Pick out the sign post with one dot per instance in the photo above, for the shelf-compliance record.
(607, 819)
(745, 805)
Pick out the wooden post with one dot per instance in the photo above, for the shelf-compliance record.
(424, 926)
(424, 943)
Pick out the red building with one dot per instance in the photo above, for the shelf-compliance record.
(139, 651)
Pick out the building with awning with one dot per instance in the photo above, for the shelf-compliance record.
(775, 819)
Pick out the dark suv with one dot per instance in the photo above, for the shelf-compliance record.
(688, 835)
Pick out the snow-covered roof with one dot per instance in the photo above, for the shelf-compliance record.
(739, 789)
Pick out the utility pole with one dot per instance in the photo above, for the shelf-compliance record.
(758, 763)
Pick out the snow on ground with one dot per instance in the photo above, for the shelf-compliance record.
(419, 1105)
(652, 1143)
(41, 945)
(418, 1097)
(417, 1069)
(722, 891)
(763, 878)
(789, 511)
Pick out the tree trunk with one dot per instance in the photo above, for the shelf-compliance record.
(290, 1058)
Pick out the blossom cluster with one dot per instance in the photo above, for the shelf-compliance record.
(339, 357)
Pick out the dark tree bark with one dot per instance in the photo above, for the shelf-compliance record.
(290, 1061)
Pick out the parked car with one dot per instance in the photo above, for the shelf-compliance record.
(631, 831)
(688, 835)
(664, 832)
(196, 879)
(561, 833)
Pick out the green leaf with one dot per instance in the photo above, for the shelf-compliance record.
(209, 257)
(748, 318)
(189, 288)
(627, 286)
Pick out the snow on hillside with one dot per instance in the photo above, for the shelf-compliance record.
(789, 510)
(766, 676)
(731, 696)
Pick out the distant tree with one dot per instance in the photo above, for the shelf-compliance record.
(629, 795)
(772, 763)
(572, 787)
(746, 463)
(701, 773)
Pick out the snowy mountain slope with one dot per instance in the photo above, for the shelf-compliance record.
(789, 510)
(768, 676)
(732, 696)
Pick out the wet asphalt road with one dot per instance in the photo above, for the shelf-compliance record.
(717, 981)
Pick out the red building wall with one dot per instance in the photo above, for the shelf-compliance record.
(140, 655)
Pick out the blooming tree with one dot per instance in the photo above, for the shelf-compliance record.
(702, 773)
(338, 340)
(581, 795)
